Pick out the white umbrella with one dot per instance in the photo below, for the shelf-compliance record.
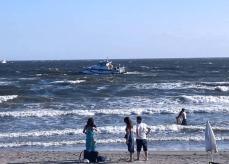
(210, 141)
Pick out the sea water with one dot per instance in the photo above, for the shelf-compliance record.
(44, 105)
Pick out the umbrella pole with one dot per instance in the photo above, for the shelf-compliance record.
(212, 157)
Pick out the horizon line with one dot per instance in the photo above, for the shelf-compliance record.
(119, 59)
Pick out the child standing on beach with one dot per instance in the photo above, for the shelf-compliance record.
(89, 129)
(129, 137)
(142, 130)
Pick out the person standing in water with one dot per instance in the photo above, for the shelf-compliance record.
(142, 130)
(89, 129)
(182, 117)
(129, 137)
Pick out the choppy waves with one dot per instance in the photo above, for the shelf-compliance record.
(47, 103)
(211, 86)
(7, 97)
(44, 113)
(5, 83)
(68, 82)
(119, 112)
(205, 99)
(172, 128)
(111, 130)
(104, 141)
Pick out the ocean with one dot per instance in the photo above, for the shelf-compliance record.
(44, 105)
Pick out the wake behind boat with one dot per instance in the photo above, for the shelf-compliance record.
(3, 61)
(104, 67)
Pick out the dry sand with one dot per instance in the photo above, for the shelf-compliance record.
(161, 157)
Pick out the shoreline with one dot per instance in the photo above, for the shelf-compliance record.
(155, 157)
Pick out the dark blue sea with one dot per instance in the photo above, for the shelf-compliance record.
(44, 105)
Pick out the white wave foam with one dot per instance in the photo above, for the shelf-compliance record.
(101, 130)
(76, 81)
(111, 129)
(216, 83)
(156, 85)
(168, 109)
(68, 82)
(7, 97)
(137, 111)
(41, 133)
(107, 130)
(222, 88)
(172, 127)
(208, 109)
(67, 131)
(101, 88)
(27, 78)
(207, 99)
(59, 143)
(184, 138)
(197, 138)
(45, 144)
(159, 128)
(167, 86)
(54, 113)
(5, 83)
(43, 113)
(134, 73)
(195, 108)
(145, 67)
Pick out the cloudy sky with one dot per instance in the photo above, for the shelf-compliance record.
(97, 29)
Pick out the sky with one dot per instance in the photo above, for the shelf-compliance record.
(114, 29)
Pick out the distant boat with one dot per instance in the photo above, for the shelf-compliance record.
(104, 67)
(3, 61)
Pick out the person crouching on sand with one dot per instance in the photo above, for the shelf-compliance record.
(141, 132)
(89, 129)
(129, 137)
(182, 117)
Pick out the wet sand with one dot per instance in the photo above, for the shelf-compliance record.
(160, 157)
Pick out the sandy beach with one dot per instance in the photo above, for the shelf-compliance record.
(161, 157)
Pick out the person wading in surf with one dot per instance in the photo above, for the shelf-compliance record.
(182, 117)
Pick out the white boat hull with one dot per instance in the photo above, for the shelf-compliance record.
(104, 67)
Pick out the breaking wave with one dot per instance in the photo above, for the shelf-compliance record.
(121, 112)
(109, 130)
(43, 113)
(7, 97)
(206, 99)
(196, 138)
(222, 87)
(6, 83)
(134, 73)
(68, 82)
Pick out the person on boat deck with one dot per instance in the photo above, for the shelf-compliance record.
(89, 129)
(182, 117)
(109, 65)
